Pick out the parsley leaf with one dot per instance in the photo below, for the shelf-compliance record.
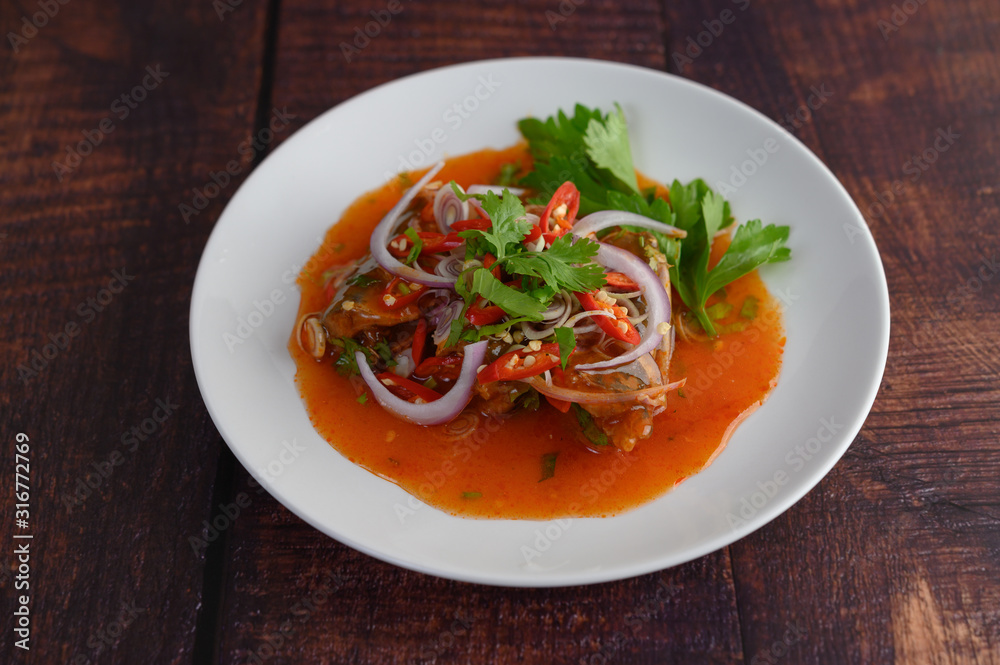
(702, 213)
(607, 145)
(567, 342)
(513, 301)
(509, 225)
(555, 265)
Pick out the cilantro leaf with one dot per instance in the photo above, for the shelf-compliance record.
(509, 225)
(346, 363)
(608, 147)
(362, 280)
(556, 266)
(702, 213)
(753, 245)
(513, 301)
(567, 342)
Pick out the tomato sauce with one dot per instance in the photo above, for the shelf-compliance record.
(493, 468)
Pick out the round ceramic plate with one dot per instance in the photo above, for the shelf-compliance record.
(834, 289)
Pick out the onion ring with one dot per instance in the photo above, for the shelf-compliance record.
(383, 232)
(597, 221)
(430, 413)
(657, 302)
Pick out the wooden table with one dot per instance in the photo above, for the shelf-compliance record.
(112, 114)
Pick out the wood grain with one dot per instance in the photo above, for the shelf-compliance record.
(894, 557)
(124, 542)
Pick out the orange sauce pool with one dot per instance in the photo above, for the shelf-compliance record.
(479, 467)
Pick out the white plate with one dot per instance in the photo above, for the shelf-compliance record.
(837, 317)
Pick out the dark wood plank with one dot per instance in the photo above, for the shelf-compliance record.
(894, 556)
(67, 233)
(378, 613)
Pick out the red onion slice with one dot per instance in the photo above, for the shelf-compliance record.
(383, 232)
(449, 208)
(602, 396)
(657, 301)
(597, 221)
(431, 413)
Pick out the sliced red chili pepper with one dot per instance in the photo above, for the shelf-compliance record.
(534, 234)
(391, 381)
(516, 364)
(419, 341)
(432, 243)
(448, 367)
(465, 224)
(550, 236)
(619, 280)
(618, 327)
(398, 293)
(484, 316)
(567, 195)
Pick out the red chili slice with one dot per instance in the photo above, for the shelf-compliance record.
(567, 195)
(391, 381)
(419, 341)
(398, 294)
(619, 327)
(516, 364)
(448, 367)
(432, 243)
(484, 316)
(466, 224)
(619, 280)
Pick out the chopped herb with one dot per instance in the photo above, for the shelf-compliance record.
(590, 429)
(680, 393)
(363, 398)
(749, 308)
(418, 245)
(567, 342)
(394, 461)
(430, 383)
(346, 363)
(385, 353)
(472, 495)
(339, 247)
(548, 465)
(719, 310)
(528, 400)
(358, 280)
(405, 180)
(507, 173)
